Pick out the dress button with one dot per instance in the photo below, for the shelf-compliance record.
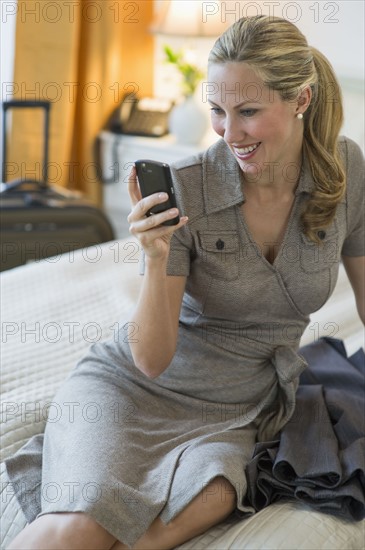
(219, 244)
(321, 234)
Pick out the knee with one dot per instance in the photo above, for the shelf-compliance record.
(220, 494)
(63, 530)
(70, 522)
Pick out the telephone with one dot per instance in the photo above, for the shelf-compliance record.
(147, 116)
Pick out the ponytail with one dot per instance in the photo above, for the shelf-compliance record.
(322, 124)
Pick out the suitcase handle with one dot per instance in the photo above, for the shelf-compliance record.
(14, 184)
(55, 191)
(19, 103)
(26, 103)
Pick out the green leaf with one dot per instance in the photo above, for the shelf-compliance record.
(191, 73)
(171, 56)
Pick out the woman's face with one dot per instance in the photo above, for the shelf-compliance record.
(260, 128)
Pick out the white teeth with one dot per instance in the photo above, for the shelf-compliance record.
(247, 150)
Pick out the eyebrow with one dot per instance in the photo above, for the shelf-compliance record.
(237, 106)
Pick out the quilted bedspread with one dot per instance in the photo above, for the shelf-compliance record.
(53, 310)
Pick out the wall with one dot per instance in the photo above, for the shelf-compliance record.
(7, 40)
(7, 47)
(335, 28)
(78, 55)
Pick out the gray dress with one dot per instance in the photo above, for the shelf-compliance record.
(127, 448)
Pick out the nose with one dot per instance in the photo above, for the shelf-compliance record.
(234, 131)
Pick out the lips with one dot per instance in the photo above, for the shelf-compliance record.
(247, 150)
(245, 153)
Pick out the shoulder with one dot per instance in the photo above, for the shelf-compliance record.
(189, 176)
(193, 163)
(354, 164)
(188, 184)
(352, 154)
(355, 180)
(355, 197)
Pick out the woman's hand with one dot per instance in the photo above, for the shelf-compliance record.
(154, 237)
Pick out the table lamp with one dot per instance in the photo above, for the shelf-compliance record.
(189, 20)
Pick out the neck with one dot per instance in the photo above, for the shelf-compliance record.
(274, 179)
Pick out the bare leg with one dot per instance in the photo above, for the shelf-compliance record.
(66, 531)
(211, 506)
(77, 531)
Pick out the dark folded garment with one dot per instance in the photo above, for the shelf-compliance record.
(319, 456)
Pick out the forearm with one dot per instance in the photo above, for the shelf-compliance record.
(154, 343)
(156, 316)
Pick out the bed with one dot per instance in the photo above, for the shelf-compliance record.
(53, 310)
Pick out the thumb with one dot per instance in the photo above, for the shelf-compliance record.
(133, 187)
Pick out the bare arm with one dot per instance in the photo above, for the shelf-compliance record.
(159, 301)
(355, 269)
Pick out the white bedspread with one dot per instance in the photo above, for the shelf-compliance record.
(51, 313)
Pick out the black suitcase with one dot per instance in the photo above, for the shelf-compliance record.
(39, 221)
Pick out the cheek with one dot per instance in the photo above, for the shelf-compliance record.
(217, 126)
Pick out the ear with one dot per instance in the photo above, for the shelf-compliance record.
(304, 99)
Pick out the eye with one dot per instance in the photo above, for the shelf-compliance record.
(248, 112)
(216, 110)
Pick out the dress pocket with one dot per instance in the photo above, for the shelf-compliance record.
(219, 253)
(325, 255)
(312, 284)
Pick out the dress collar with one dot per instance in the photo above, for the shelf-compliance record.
(222, 178)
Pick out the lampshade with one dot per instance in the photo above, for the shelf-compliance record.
(189, 18)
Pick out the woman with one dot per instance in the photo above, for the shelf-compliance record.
(211, 365)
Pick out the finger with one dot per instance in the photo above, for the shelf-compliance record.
(148, 224)
(147, 238)
(144, 205)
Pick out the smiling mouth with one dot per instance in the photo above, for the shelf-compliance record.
(247, 150)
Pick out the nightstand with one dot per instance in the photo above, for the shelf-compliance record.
(118, 152)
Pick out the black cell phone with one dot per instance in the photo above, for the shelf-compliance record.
(155, 177)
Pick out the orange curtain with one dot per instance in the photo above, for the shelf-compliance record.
(83, 56)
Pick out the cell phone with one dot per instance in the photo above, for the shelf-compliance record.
(155, 177)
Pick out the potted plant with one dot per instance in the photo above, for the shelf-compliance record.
(188, 121)
(191, 74)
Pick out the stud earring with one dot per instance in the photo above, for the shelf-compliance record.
(300, 116)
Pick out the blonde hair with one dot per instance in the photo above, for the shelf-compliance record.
(280, 55)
